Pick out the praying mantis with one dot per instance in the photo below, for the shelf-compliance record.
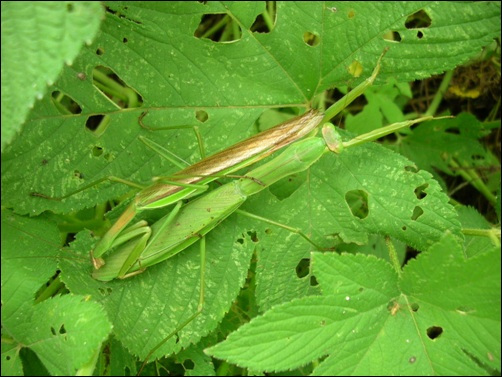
(125, 251)
(136, 246)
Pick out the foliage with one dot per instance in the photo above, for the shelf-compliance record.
(229, 70)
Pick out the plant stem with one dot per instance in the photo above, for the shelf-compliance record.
(493, 234)
(440, 93)
(471, 176)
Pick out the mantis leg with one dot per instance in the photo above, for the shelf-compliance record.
(154, 145)
(284, 226)
(200, 305)
(90, 185)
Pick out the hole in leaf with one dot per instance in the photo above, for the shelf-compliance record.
(201, 115)
(78, 174)
(93, 122)
(411, 169)
(417, 212)
(357, 200)
(265, 22)
(420, 35)
(53, 331)
(418, 20)
(434, 332)
(303, 268)
(240, 241)
(62, 330)
(392, 36)
(404, 227)
(115, 89)
(188, 364)
(414, 306)
(44, 162)
(105, 291)
(313, 281)
(477, 157)
(100, 51)
(420, 191)
(97, 151)
(311, 39)
(218, 27)
(120, 13)
(65, 104)
(253, 236)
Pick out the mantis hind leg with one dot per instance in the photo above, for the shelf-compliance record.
(90, 185)
(200, 306)
(284, 226)
(161, 150)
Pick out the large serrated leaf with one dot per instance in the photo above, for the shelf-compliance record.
(152, 49)
(147, 308)
(371, 323)
(395, 193)
(65, 331)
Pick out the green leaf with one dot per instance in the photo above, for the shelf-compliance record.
(150, 59)
(37, 39)
(151, 47)
(449, 139)
(147, 308)
(472, 219)
(64, 331)
(401, 202)
(370, 322)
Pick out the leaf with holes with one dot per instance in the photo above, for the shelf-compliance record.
(370, 321)
(149, 56)
(63, 331)
(183, 72)
(363, 191)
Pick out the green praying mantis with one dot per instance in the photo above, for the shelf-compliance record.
(126, 250)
